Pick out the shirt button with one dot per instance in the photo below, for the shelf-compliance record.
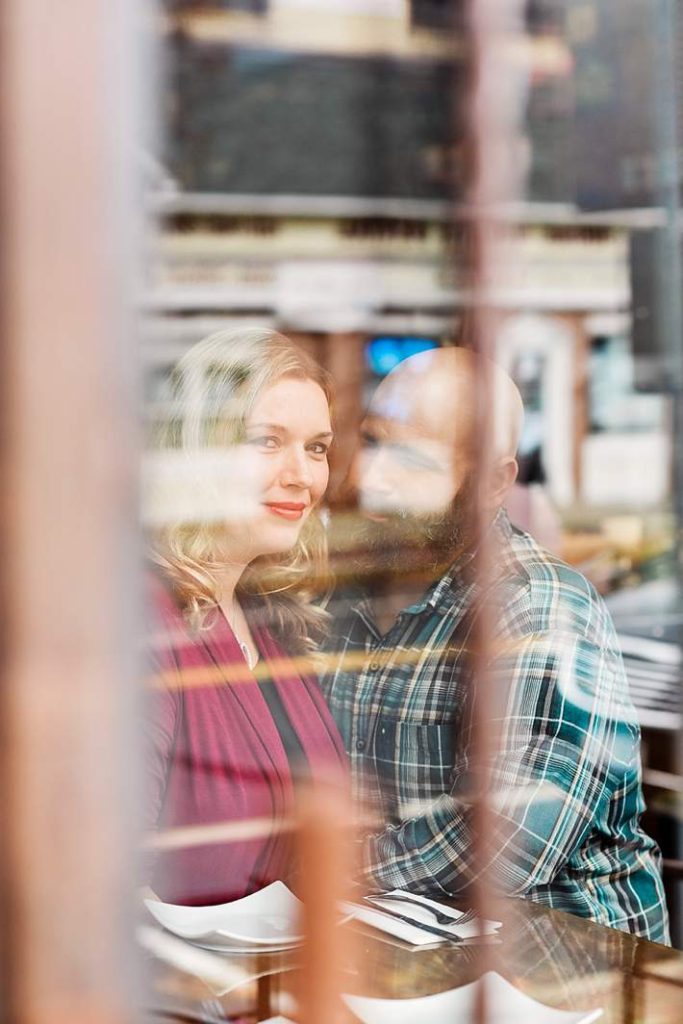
(360, 744)
(374, 666)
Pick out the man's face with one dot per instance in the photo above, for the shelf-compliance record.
(401, 472)
(413, 460)
(412, 478)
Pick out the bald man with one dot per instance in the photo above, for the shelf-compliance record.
(565, 771)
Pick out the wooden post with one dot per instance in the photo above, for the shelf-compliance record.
(575, 322)
(325, 822)
(346, 362)
(68, 504)
(493, 109)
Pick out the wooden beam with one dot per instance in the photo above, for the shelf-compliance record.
(66, 447)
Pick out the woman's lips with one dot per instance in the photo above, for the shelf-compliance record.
(292, 510)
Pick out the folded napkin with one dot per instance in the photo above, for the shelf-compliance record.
(413, 935)
(373, 915)
(408, 908)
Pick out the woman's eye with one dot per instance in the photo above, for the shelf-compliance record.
(268, 442)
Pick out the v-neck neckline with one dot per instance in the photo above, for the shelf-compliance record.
(223, 627)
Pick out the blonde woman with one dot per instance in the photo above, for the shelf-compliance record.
(236, 718)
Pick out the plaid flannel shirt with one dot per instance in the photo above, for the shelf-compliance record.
(565, 774)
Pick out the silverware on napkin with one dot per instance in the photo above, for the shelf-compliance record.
(441, 918)
(433, 929)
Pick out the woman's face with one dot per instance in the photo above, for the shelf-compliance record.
(288, 435)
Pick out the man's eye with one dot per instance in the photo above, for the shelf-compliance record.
(318, 448)
(369, 441)
(414, 459)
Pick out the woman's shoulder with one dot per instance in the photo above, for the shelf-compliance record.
(160, 600)
(168, 634)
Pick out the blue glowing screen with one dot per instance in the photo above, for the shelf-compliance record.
(385, 352)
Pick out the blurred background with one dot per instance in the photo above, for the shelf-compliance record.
(310, 175)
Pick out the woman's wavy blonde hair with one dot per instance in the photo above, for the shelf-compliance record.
(224, 374)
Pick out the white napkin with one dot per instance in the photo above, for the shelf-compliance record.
(371, 914)
(409, 909)
(413, 935)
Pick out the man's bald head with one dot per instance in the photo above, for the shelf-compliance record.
(436, 393)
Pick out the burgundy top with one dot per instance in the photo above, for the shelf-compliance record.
(223, 746)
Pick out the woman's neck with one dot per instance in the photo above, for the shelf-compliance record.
(227, 580)
(234, 613)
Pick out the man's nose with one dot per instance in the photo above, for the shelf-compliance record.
(372, 471)
(296, 470)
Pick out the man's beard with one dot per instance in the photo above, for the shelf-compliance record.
(409, 546)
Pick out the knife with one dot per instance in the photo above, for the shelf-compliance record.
(465, 917)
(423, 926)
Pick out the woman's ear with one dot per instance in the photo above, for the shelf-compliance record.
(503, 476)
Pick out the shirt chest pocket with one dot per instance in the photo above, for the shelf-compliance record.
(414, 762)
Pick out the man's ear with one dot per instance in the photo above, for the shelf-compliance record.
(503, 477)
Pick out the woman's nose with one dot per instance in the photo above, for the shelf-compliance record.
(296, 471)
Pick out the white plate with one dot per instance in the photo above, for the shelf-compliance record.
(504, 1005)
(267, 918)
(250, 950)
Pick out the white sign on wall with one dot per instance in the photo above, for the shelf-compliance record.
(381, 8)
(631, 470)
(338, 294)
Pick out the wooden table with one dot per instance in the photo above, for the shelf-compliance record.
(561, 960)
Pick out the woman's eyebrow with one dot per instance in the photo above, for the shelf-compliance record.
(267, 426)
(283, 430)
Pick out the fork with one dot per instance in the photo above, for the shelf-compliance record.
(440, 917)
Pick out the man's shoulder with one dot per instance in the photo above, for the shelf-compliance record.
(540, 593)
